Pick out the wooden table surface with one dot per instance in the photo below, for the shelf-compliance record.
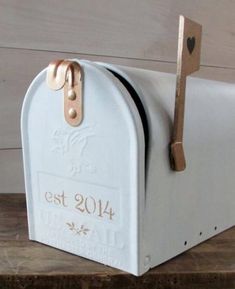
(25, 264)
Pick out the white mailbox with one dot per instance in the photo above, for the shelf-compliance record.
(96, 157)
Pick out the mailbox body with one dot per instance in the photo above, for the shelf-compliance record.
(104, 190)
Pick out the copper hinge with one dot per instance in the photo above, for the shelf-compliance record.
(67, 74)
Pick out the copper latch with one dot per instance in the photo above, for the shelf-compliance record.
(68, 75)
(188, 61)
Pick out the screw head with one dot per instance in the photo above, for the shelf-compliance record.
(72, 113)
(71, 94)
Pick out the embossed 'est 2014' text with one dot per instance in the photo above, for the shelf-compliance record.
(84, 204)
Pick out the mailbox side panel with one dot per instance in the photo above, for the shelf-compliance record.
(83, 184)
(199, 202)
(182, 209)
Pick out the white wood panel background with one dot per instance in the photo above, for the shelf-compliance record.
(127, 32)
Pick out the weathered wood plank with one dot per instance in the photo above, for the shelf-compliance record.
(20, 67)
(136, 29)
(12, 205)
(39, 259)
(13, 228)
(27, 264)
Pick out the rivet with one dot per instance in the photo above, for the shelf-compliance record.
(71, 94)
(72, 113)
(147, 260)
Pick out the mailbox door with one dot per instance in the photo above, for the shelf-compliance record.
(85, 184)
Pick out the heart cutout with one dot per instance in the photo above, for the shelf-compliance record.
(191, 41)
